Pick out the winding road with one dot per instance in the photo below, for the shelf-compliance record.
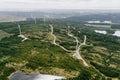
(78, 45)
(54, 40)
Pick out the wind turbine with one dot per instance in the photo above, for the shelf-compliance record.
(19, 30)
(68, 29)
(34, 18)
(21, 35)
(44, 19)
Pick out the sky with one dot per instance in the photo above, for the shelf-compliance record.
(58, 4)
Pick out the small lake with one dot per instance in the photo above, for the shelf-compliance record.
(117, 33)
(101, 32)
(35, 76)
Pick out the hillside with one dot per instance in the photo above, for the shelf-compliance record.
(50, 47)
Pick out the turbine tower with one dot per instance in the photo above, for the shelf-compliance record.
(21, 35)
(34, 18)
(19, 30)
(44, 19)
(68, 29)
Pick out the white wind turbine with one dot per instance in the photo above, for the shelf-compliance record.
(19, 29)
(20, 34)
(68, 29)
(44, 19)
(34, 18)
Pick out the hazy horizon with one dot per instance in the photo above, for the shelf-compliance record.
(31, 5)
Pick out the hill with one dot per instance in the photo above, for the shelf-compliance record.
(39, 53)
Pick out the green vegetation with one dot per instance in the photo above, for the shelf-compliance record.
(3, 34)
(115, 26)
(108, 71)
(38, 54)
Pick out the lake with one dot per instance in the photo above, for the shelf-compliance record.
(34, 76)
(117, 33)
(101, 31)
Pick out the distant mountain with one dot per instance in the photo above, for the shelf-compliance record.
(75, 15)
(114, 17)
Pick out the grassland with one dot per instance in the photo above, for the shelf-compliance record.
(3, 34)
(38, 54)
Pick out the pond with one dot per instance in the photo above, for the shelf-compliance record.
(34, 76)
(117, 33)
(101, 31)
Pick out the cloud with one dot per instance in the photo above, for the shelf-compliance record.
(59, 4)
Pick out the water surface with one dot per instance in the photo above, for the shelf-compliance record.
(117, 33)
(35, 76)
(101, 31)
